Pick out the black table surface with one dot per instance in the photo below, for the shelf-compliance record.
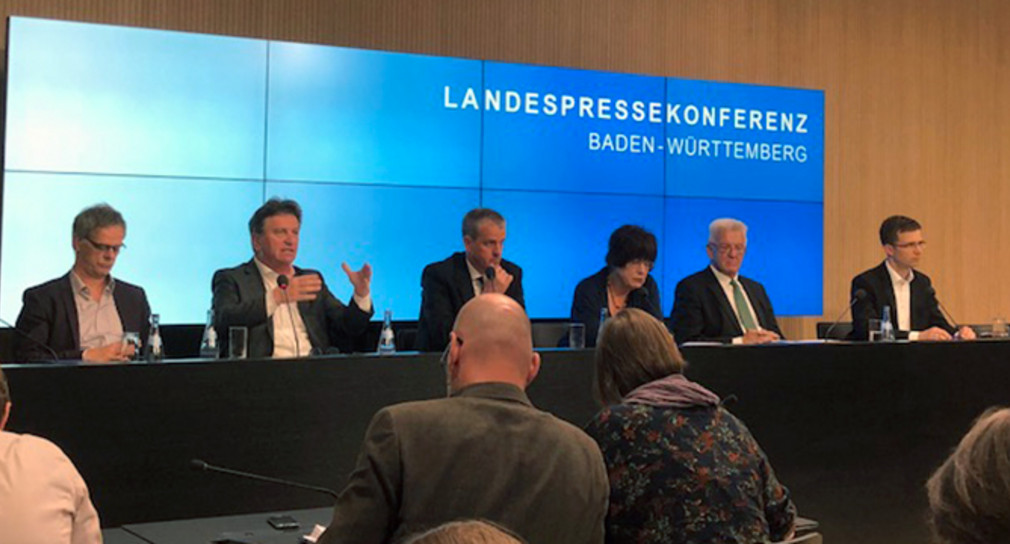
(253, 528)
(853, 430)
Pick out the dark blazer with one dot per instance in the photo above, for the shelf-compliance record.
(591, 296)
(701, 311)
(240, 300)
(485, 453)
(445, 288)
(49, 316)
(924, 309)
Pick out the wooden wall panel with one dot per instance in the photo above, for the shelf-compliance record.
(916, 93)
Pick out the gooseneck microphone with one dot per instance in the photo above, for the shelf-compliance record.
(23, 334)
(489, 274)
(932, 293)
(859, 295)
(202, 466)
(283, 282)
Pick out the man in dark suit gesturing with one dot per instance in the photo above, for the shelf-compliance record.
(484, 453)
(447, 285)
(295, 321)
(718, 304)
(84, 313)
(915, 312)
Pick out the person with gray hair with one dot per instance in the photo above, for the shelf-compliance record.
(446, 285)
(42, 496)
(83, 314)
(969, 495)
(484, 453)
(718, 304)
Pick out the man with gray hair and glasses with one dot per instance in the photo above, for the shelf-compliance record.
(718, 304)
(82, 315)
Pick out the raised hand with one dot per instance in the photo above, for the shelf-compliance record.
(360, 279)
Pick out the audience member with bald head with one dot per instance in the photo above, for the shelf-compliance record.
(969, 495)
(42, 496)
(483, 453)
(493, 336)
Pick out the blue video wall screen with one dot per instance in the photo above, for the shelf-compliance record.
(187, 134)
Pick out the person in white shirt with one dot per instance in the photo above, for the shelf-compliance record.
(43, 499)
(294, 320)
(898, 284)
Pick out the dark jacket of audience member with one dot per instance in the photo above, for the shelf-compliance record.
(969, 495)
(682, 469)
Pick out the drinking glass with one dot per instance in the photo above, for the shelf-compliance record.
(873, 327)
(577, 336)
(237, 342)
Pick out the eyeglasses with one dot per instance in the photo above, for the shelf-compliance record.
(909, 245)
(105, 247)
(725, 248)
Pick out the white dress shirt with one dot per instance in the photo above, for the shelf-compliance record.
(476, 278)
(43, 499)
(287, 320)
(724, 281)
(902, 287)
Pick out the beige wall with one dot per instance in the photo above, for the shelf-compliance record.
(915, 93)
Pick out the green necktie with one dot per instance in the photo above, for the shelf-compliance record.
(741, 307)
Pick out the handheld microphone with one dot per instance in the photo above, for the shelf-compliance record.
(859, 295)
(283, 282)
(489, 274)
(23, 334)
(200, 465)
(932, 293)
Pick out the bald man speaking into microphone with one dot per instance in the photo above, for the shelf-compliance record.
(289, 311)
(447, 285)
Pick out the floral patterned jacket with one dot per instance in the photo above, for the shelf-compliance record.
(688, 475)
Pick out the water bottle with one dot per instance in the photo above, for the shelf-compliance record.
(603, 320)
(387, 340)
(208, 345)
(155, 349)
(886, 327)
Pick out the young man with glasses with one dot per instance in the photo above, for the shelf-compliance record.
(915, 312)
(83, 314)
(718, 304)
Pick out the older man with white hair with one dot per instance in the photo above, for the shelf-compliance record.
(718, 304)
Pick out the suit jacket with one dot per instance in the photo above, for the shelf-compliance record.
(485, 453)
(924, 309)
(591, 296)
(445, 287)
(240, 300)
(701, 311)
(49, 317)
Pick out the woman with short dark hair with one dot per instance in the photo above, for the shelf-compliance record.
(682, 469)
(625, 282)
